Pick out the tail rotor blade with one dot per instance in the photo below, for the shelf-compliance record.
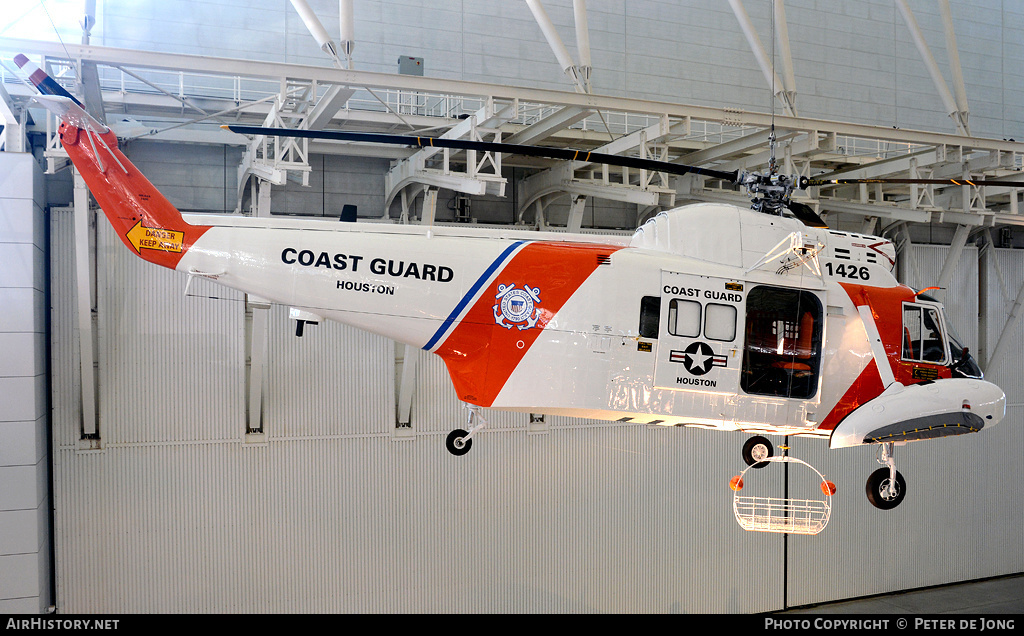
(43, 82)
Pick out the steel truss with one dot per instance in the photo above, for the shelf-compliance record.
(186, 98)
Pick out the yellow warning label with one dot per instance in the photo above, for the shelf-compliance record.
(155, 238)
(925, 373)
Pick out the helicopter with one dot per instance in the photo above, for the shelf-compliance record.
(759, 320)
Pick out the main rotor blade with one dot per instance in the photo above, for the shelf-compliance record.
(807, 183)
(806, 214)
(491, 146)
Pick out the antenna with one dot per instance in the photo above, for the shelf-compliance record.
(773, 165)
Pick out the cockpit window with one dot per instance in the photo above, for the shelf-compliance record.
(923, 339)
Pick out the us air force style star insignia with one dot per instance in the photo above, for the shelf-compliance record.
(698, 358)
(516, 306)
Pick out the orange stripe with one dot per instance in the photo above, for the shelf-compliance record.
(886, 304)
(480, 354)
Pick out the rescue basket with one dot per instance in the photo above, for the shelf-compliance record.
(780, 514)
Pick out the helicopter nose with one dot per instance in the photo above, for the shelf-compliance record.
(923, 411)
(985, 400)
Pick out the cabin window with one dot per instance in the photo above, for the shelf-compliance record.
(782, 350)
(720, 322)
(650, 316)
(923, 340)
(684, 318)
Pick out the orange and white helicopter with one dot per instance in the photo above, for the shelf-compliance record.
(757, 320)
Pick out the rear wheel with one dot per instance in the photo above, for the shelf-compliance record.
(879, 493)
(756, 450)
(457, 444)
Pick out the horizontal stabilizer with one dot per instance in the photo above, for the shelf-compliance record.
(70, 111)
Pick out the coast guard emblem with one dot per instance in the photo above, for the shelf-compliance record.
(516, 306)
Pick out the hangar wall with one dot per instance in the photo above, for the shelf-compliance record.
(854, 61)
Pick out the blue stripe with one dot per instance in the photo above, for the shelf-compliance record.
(470, 295)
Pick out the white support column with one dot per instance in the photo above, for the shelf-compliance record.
(429, 209)
(579, 8)
(1004, 338)
(906, 264)
(85, 286)
(933, 68)
(763, 60)
(786, 55)
(263, 191)
(956, 248)
(555, 42)
(406, 386)
(538, 219)
(579, 206)
(88, 20)
(959, 91)
(986, 257)
(257, 310)
(346, 22)
(317, 30)
(404, 214)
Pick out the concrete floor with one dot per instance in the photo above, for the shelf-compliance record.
(1002, 595)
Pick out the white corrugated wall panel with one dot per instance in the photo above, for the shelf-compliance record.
(334, 380)
(170, 365)
(1004, 284)
(579, 520)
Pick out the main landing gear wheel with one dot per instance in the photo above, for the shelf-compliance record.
(756, 450)
(884, 494)
(457, 444)
(459, 441)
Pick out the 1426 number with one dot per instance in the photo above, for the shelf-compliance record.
(848, 271)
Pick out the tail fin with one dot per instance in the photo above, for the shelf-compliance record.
(144, 219)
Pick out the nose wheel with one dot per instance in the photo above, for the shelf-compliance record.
(460, 441)
(886, 487)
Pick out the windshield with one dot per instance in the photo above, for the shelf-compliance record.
(963, 364)
(961, 361)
